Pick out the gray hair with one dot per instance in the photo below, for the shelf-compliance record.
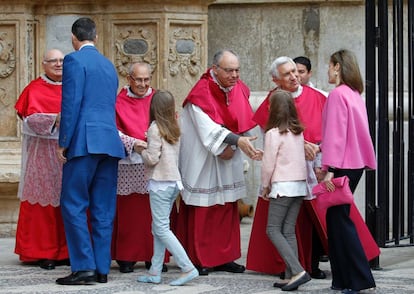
(274, 67)
(132, 66)
(219, 54)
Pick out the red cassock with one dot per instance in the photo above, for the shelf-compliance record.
(132, 237)
(262, 256)
(40, 233)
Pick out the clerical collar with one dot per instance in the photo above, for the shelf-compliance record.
(49, 80)
(298, 92)
(133, 95)
(225, 90)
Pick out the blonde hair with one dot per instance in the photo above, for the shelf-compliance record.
(162, 111)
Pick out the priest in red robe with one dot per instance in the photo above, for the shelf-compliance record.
(40, 235)
(132, 238)
(214, 120)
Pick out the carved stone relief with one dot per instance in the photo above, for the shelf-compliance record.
(135, 43)
(185, 62)
(7, 56)
(8, 123)
(185, 51)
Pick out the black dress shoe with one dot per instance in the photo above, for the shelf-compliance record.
(63, 262)
(101, 278)
(230, 267)
(47, 264)
(202, 271)
(126, 266)
(318, 274)
(292, 286)
(164, 266)
(279, 285)
(78, 278)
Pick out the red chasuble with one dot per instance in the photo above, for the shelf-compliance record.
(39, 97)
(132, 114)
(231, 110)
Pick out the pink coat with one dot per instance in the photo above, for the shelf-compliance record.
(346, 141)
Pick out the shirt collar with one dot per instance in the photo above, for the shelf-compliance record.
(87, 44)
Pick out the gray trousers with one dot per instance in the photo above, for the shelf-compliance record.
(281, 222)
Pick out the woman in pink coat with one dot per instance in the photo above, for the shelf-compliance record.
(347, 150)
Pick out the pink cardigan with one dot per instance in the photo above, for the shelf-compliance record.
(346, 141)
(284, 158)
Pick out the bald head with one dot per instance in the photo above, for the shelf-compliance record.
(53, 64)
(139, 78)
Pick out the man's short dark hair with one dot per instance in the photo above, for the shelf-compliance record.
(84, 28)
(303, 60)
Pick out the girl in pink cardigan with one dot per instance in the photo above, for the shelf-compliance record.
(347, 150)
(284, 183)
(161, 163)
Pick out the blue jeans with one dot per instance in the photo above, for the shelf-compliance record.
(161, 204)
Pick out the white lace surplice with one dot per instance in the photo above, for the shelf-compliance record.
(41, 172)
(131, 177)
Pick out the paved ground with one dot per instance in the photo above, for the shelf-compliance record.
(396, 276)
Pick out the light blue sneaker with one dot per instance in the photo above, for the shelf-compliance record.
(185, 279)
(149, 279)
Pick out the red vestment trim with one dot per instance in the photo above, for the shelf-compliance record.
(132, 114)
(231, 110)
(39, 97)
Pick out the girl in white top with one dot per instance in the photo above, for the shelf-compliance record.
(161, 163)
(284, 183)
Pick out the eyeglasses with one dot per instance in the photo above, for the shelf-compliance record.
(229, 70)
(53, 61)
(140, 80)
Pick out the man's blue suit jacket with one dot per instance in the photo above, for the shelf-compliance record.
(89, 90)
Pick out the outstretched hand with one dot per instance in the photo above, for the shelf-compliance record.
(244, 143)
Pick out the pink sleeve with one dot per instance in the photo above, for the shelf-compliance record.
(334, 130)
(271, 147)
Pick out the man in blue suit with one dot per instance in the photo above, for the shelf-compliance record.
(90, 147)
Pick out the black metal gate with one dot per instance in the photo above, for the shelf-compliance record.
(389, 99)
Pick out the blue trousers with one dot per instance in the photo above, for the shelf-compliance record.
(89, 188)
